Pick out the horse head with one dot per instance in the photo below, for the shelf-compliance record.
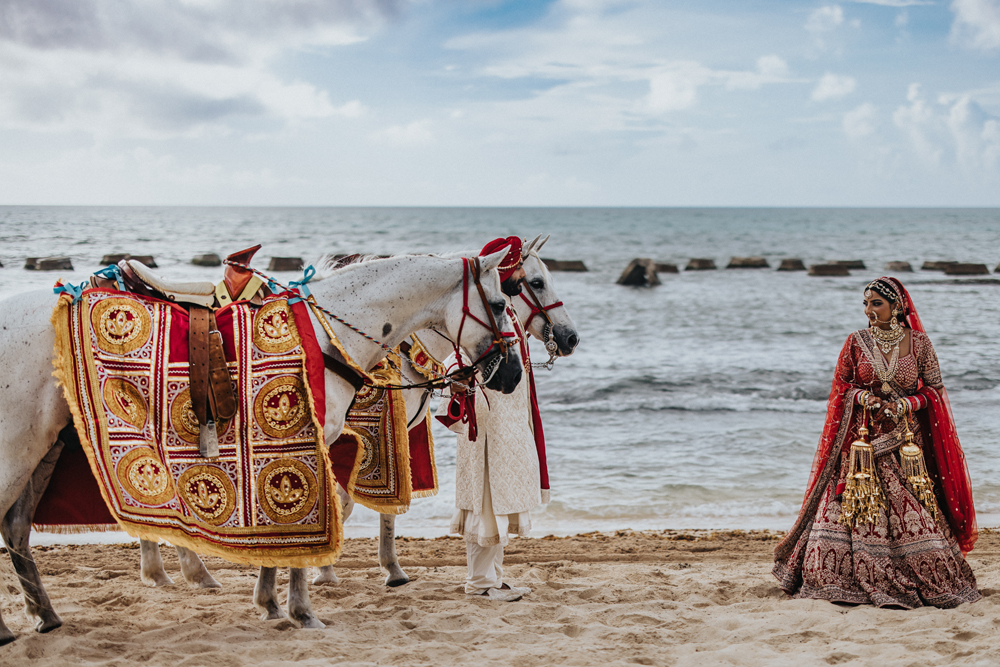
(548, 312)
(476, 320)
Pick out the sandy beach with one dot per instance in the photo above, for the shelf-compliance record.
(651, 598)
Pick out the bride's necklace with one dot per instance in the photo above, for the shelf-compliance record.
(886, 340)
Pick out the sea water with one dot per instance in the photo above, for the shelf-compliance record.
(697, 403)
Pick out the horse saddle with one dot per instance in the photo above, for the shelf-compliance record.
(212, 397)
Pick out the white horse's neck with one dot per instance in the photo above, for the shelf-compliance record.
(388, 299)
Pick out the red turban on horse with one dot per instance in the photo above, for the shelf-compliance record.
(511, 260)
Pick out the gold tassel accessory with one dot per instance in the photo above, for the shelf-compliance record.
(863, 498)
(911, 462)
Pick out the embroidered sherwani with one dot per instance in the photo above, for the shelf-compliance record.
(498, 475)
(906, 558)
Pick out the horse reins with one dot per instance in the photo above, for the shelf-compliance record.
(462, 373)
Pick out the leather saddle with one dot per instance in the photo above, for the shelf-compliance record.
(212, 397)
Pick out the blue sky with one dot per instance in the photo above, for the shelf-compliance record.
(574, 102)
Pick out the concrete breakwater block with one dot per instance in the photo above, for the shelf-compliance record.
(700, 264)
(828, 270)
(851, 264)
(285, 264)
(208, 259)
(564, 264)
(640, 272)
(961, 269)
(899, 267)
(48, 264)
(747, 263)
(115, 257)
(792, 264)
(666, 267)
(935, 266)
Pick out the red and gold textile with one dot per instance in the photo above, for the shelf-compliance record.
(269, 498)
(378, 421)
(906, 558)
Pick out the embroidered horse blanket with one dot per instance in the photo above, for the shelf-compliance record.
(269, 498)
(396, 464)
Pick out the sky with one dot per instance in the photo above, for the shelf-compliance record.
(494, 103)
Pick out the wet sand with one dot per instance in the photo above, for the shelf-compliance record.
(652, 598)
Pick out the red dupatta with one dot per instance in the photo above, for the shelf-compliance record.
(945, 460)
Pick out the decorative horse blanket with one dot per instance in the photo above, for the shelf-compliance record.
(395, 464)
(269, 498)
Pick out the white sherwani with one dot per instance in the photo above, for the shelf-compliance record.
(497, 476)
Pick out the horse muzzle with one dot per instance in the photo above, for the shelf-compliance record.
(566, 339)
(508, 373)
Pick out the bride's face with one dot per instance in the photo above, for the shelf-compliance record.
(878, 306)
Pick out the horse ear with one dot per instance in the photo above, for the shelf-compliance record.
(531, 246)
(491, 262)
(539, 248)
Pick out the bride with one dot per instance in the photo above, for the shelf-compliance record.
(888, 514)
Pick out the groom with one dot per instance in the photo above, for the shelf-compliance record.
(500, 474)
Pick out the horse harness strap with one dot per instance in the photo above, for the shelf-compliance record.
(337, 366)
(498, 337)
(212, 396)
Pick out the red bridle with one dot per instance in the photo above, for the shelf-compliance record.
(536, 306)
(472, 266)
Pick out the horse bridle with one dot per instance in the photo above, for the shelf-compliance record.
(535, 304)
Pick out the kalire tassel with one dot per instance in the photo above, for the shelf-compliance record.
(911, 461)
(863, 499)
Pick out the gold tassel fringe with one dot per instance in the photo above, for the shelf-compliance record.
(911, 461)
(863, 499)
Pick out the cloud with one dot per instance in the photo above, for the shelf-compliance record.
(833, 86)
(977, 24)
(825, 19)
(895, 3)
(954, 129)
(860, 122)
(171, 67)
(417, 133)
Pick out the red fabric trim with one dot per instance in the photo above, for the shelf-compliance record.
(72, 497)
(315, 367)
(536, 417)
(421, 466)
(948, 468)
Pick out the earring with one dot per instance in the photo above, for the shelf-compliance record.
(894, 324)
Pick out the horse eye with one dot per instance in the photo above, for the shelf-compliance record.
(537, 283)
(498, 307)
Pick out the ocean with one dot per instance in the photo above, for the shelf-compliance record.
(694, 404)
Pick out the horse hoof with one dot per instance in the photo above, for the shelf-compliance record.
(324, 578)
(157, 580)
(310, 622)
(392, 582)
(48, 623)
(208, 581)
(273, 614)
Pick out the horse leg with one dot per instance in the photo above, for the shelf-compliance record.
(326, 574)
(151, 570)
(387, 551)
(194, 569)
(298, 599)
(16, 530)
(265, 594)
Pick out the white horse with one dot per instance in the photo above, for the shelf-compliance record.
(562, 332)
(389, 298)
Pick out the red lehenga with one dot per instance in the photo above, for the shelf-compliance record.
(905, 558)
